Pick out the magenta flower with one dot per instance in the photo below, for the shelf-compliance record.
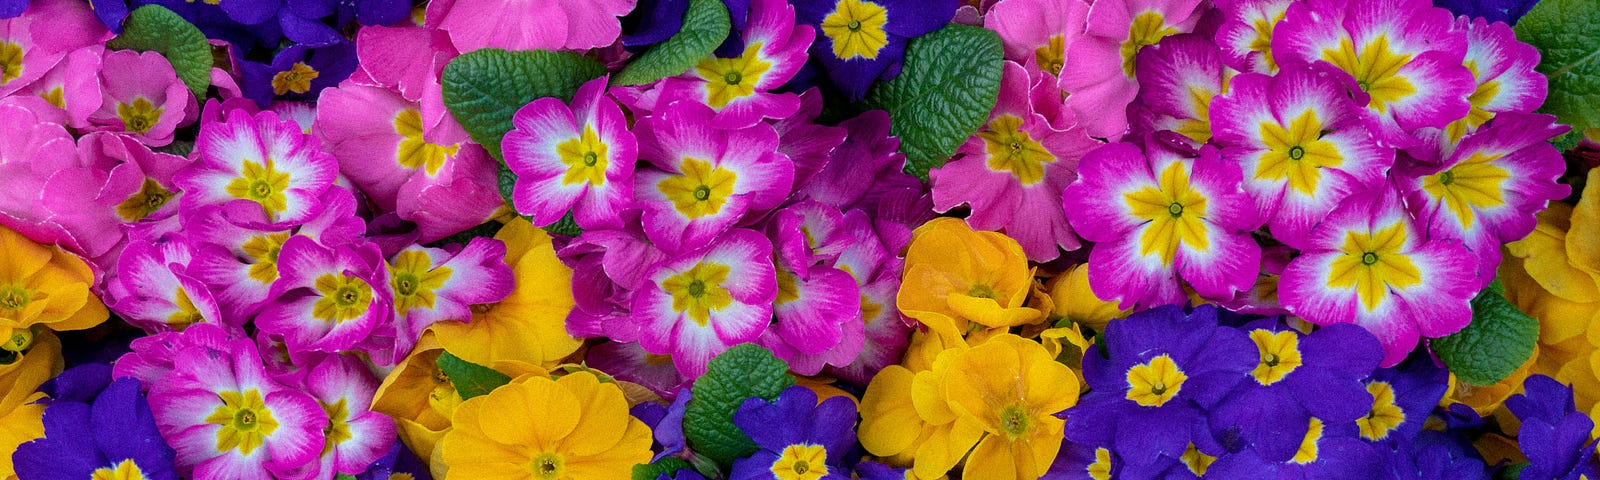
(705, 178)
(1013, 171)
(405, 58)
(1178, 79)
(30, 44)
(70, 88)
(261, 160)
(818, 319)
(1369, 263)
(522, 25)
(355, 436)
(153, 289)
(327, 299)
(151, 359)
(1245, 37)
(738, 88)
(143, 97)
(431, 285)
(808, 144)
(698, 304)
(579, 158)
(1102, 80)
(1505, 83)
(867, 154)
(1163, 220)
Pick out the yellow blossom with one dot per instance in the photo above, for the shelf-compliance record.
(530, 324)
(21, 373)
(46, 286)
(956, 277)
(907, 419)
(1075, 301)
(575, 427)
(1012, 387)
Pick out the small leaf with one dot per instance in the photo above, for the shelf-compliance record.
(945, 91)
(484, 88)
(153, 28)
(486, 230)
(705, 25)
(470, 379)
(665, 466)
(744, 371)
(1496, 343)
(1567, 34)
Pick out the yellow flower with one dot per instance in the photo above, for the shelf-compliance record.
(1013, 388)
(21, 420)
(907, 420)
(536, 428)
(530, 325)
(44, 286)
(956, 277)
(1075, 301)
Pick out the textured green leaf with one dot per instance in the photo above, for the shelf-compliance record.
(153, 28)
(664, 466)
(1567, 34)
(485, 230)
(484, 88)
(470, 378)
(1497, 342)
(344, 476)
(744, 371)
(944, 93)
(705, 25)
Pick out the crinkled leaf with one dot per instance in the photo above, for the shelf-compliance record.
(470, 378)
(744, 371)
(153, 28)
(484, 88)
(945, 91)
(664, 466)
(705, 25)
(1496, 343)
(1567, 34)
(485, 230)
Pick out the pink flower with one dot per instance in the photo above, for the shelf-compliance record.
(1102, 79)
(738, 88)
(405, 58)
(1178, 79)
(143, 96)
(355, 435)
(152, 357)
(579, 159)
(433, 285)
(328, 299)
(34, 42)
(1036, 33)
(867, 155)
(72, 87)
(698, 304)
(1245, 37)
(51, 196)
(261, 168)
(153, 289)
(1506, 83)
(530, 25)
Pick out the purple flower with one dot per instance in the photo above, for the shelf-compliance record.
(299, 72)
(12, 8)
(861, 41)
(109, 434)
(1508, 11)
(1328, 450)
(666, 423)
(653, 21)
(797, 435)
(1402, 399)
(1435, 454)
(1554, 434)
(398, 463)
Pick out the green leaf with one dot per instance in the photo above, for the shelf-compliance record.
(486, 230)
(153, 28)
(945, 91)
(1512, 471)
(744, 371)
(484, 88)
(705, 25)
(470, 378)
(1497, 342)
(1567, 141)
(344, 476)
(1567, 34)
(664, 466)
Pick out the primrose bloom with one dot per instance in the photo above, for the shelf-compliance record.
(1012, 172)
(577, 158)
(71, 87)
(542, 25)
(738, 88)
(109, 434)
(30, 44)
(700, 303)
(536, 427)
(956, 277)
(44, 286)
(1036, 33)
(798, 437)
(257, 159)
(1371, 264)
(1505, 78)
(338, 295)
(154, 289)
(1014, 388)
(1163, 220)
(1553, 431)
(527, 324)
(431, 285)
(1102, 81)
(1177, 81)
(705, 178)
(1245, 36)
(355, 436)
(1404, 54)
(1327, 450)
(907, 418)
(143, 97)
(227, 419)
(1302, 144)
(865, 40)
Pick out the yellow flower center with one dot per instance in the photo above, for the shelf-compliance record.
(1013, 150)
(801, 462)
(124, 470)
(701, 189)
(414, 279)
(186, 314)
(18, 340)
(54, 96)
(1052, 56)
(338, 429)
(296, 79)
(1197, 461)
(1263, 39)
(262, 184)
(1480, 98)
(1199, 128)
(150, 197)
(1376, 69)
(1014, 421)
(343, 297)
(139, 116)
(698, 290)
(1473, 183)
(856, 28)
(1308, 446)
(585, 157)
(401, 476)
(264, 250)
(245, 421)
(10, 62)
(414, 152)
(729, 79)
(1297, 153)
(548, 466)
(1154, 383)
(788, 290)
(1385, 416)
(1174, 211)
(1373, 264)
(443, 398)
(1147, 28)
(13, 298)
(1101, 468)
(1280, 355)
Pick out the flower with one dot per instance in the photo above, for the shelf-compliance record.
(1370, 264)
(956, 277)
(542, 25)
(71, 88)
(799, 437)
(227, 419)
(1178, 80)
(420, 398)
(143, 97)
(705, 178)
(738, 88)
(1102, 81)
(579, 159)
(907, 419)
(299, 72)
(355, 436)
(1508, 11)
(32, 360)
(258, 159)
(1036, 33)
(1402, 399)
(631, 363)
(1245, 37)
(1302, 144)
(536, 427)
(863, 41)
(700, 303)
(1075, 300)
(40, 37)
(326, 299)
(431, 285)
(44, 286)
(1014, 388)
(112, 436)
(153, 289)
(1328, 450)
(1018, 162)
(1554, 435)
(528, 324)
(1505, 78)
(1160, 218)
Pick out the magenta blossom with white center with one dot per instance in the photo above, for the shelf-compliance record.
(153, 289)
(261, 168)
(1101, 80)
(818, 319)
(701, 302)
(433, 285)
(326, 299)
(356, 435)
(1178, 79)
(578, 158)
(739, 88)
